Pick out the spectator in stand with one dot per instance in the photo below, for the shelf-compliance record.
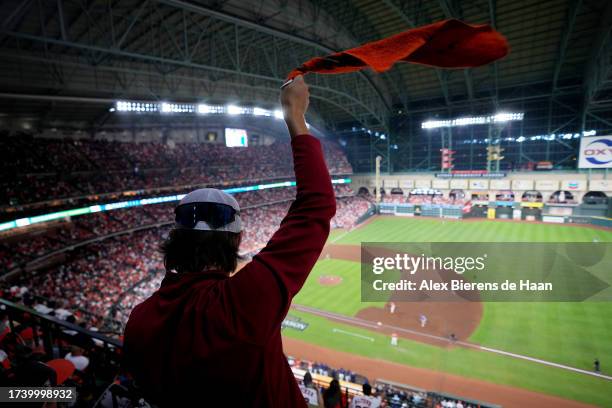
(5, 327)
(310, 392)
(332, 396)
(77, 358)
(205, 327)
(365, 400)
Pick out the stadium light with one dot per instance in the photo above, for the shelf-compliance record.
(522, 139)
(204, 109)
(126, 106)
(501, 117)
(507, 117)
(166, 108)
(261, 112)
(200, 109)
(234, 110)
(176, 108)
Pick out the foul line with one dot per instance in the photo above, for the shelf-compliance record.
(370, 325)
(337, 238)
(361, 336)
(548, 363)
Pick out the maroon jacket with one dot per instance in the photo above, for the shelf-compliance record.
(215, 340)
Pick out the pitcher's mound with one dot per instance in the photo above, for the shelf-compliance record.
(329, 280)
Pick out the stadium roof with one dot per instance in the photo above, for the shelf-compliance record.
(70, 59)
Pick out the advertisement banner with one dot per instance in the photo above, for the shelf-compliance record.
(573, 185)
(595, 152)
(422, 183)
(439, 184)
(407, 184)
(390, 183)
(500, 184)
(479, 184)
(459, 184)
(522, 184)
(600, 185)
(547, 185)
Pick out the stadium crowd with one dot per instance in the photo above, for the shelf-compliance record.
(39, 169)
(421, 199)
(15, 252)
(73, 360)
(94, 276)
(381, 393)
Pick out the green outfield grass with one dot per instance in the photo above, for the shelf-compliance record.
(343, 298)
(567, 333)
(398, 229)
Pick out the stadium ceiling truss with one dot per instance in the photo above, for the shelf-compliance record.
(597, 78)
(237, 50)
(156, 49)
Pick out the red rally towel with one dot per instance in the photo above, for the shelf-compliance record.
(445, 44)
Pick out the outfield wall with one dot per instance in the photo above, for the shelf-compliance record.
(507, 211)
(547, 183)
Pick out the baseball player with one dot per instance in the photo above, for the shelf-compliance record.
(423, 320)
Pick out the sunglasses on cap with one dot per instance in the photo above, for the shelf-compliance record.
(215, 215)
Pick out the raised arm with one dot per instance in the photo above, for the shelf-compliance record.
(263, 289)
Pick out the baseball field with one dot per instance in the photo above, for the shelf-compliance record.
(539, 349)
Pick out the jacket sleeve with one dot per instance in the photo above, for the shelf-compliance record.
(260, 294)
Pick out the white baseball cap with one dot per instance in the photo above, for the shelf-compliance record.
(209, 209)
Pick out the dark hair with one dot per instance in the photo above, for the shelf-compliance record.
(188, 250)
(332, 396)
(367, 389)
(307, 379)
